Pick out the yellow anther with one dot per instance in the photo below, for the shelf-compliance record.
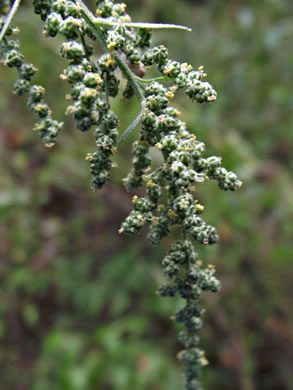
(150, 183)
(39, 107)
(124, 19)
(199, 207)
(110, 62)
(69, 110)
(78, 10)
(204, 361)
(168, 69)
(111, 47)
(212, 98)
(89, 157)
(63, 77)
(159, 146)
(123, 7)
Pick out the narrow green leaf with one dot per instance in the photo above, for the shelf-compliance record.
(151, 26)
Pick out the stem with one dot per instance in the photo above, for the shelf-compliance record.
(146, 81)
(132, 126)
(9, 18)
(91, 20)
(131, 78)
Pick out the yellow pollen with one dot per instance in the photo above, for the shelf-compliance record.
(199, 207)
(89, 157)
(111, 47)
(69, 110)
(124, 19)
(110, 62)
(63, 77)
(212, 98)
(168, 69)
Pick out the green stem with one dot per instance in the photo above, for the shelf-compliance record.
(131, 78)
(9, 18)
(132, 126)
(146, 81)
(91, 20)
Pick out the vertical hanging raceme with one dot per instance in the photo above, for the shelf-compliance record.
(171, 188)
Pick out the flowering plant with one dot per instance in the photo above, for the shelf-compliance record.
(170, 198)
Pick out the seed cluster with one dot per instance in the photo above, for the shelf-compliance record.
(170, 199)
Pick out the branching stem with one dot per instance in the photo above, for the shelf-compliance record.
(95, 24)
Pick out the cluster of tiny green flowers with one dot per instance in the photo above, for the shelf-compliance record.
(12, 57)
(170, 199)
(93, 82)
(189, 279)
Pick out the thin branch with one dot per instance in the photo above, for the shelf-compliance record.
(9, 18)
(91, 20)
(146, 81)
(132, 126)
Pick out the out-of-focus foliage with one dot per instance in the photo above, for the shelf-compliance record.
(77, 302)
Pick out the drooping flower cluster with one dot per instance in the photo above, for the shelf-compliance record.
(170, 201)
(12, 57)
(171, 188)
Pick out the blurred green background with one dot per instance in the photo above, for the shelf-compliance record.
(78, 309)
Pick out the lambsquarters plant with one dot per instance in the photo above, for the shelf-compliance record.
(171, 188)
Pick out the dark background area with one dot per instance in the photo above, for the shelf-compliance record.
(78, 309)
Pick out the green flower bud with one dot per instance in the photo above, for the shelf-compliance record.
(72, 50)
(21, 87)
(52, 24)
(70, 27)
(42, 8)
